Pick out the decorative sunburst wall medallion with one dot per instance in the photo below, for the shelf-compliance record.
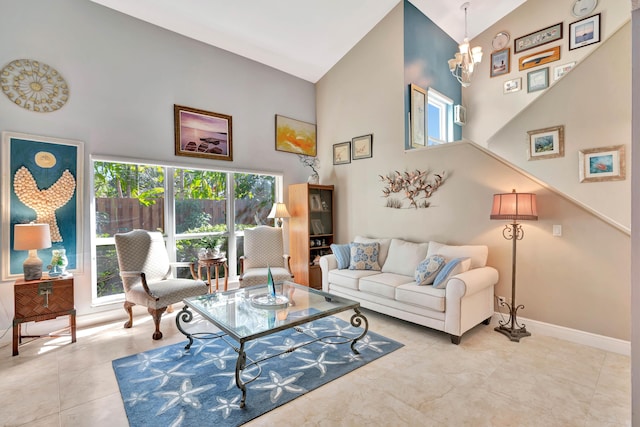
(34, 85)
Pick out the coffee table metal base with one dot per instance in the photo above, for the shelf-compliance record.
(185, 316)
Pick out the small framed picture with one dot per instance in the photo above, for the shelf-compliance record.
(200, 133)
(561, 70)
(546, 143)
(512, 85)
(342, 153)
(315, 203)
(602, 164)
(584, 32)
(538, 80)
(418, 116)
(500, 62)
(538, 38)
(316, 226)
(361, 147)
(539, 58)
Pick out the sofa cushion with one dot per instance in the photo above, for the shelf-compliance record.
(477, 253)
(343, 255)
(453, 267)
(404, 257)
(384, 247)
(428, 269)
(423, 296)
(364, 256)
(383, 284)
(349, 278)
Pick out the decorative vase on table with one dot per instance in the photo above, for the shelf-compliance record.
(314, 179)
(59, 263)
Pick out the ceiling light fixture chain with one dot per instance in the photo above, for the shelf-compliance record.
(463, 63)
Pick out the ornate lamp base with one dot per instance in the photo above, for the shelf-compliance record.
(514, 334)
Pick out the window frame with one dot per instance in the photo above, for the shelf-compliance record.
(444, 106)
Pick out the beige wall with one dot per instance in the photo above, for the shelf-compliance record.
(580, 280)
(593, 102)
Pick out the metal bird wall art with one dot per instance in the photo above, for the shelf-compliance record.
(415, 186)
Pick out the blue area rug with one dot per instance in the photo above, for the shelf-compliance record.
(171, 386)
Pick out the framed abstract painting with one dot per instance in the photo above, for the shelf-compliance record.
(295, 136)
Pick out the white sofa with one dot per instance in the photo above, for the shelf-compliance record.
(466, 300)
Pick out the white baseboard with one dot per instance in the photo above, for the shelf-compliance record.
(602, 342)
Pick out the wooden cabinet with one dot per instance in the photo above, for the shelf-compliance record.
(44, 299)
(311, 229)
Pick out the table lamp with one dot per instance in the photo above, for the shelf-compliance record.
(31, 237)
(279, 211)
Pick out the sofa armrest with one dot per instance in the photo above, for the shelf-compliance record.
(327, 263)
(469, 299)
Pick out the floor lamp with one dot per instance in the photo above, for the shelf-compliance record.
(516, 207)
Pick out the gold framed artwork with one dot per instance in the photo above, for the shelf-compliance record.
(546, 143)
(539, 58)
(602, 164)
(418, 116)
(295, 136)
(203, 134)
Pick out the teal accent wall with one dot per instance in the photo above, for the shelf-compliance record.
(427, 49)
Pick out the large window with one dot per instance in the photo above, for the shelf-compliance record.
(186, 205)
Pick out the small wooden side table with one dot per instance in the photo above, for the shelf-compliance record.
(43, 299)
(208, 264)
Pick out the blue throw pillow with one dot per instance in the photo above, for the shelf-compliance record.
(343, 255)
(453, 267)
(427, 270)
(364, 256)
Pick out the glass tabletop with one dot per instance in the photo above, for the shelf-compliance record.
(242, 315)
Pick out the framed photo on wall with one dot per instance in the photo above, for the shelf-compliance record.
(602, 164)
(342, 153)
(42, 183)
(418, 116)
(204, 134)
(500, 62)
(538, 38)
(512, 85)
(539, 58)
(295, 136)
(546, 143)
(362, 147)
(538, 80)
(584, 32)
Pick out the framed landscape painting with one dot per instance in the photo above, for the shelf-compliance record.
(295, 136)
(204, 134)
(584, 32)
(546, 143)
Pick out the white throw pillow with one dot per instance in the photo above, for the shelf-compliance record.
(404, 257)
(477, 253)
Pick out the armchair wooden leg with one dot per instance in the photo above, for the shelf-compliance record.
(157, 315)
(127, 308)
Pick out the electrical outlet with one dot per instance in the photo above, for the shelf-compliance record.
(501, 300)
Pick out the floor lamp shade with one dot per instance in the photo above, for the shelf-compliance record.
(31, 237)
(514, 206)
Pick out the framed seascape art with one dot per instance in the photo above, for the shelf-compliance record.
(361, 147)
(294, 136)
(584, 32)
(342, 153)
(204, 134)
(546, 143)
(602, 164)
(500, 63)
(538, 80)
(538, 38)
(513, 85)
(539, 58)
(42, 183)
(418, 116)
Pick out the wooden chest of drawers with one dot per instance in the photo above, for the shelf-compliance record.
(39, 300)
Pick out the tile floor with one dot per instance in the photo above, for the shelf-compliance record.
(485, 381)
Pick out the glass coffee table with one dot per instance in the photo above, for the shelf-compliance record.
(247, 314)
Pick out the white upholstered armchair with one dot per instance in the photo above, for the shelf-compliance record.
(263, 248)
(146, 276)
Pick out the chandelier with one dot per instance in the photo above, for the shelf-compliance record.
(463, 63)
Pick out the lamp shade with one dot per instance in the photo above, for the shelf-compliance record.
(279, 210)
(514, 206)
(31, 236)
